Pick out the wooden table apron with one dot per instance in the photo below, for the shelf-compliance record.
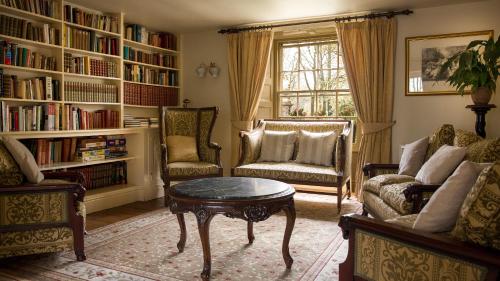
(251, 210)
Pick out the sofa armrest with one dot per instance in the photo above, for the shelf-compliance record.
(372, 169)
(403, 243)
(343, 152)
(217, 148)
(415, 194)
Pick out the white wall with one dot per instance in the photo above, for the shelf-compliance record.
(206, 47)
(419, 116)
(415, 116)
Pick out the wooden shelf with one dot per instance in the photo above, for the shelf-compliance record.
(30, 101)
(29, 42)
(99, 31)
(29, 69)
(92, 103)
(90, 53)
(148, 47)
(141, 106)
(149, 65)
(69, 74)
(69, 133)
(157, 85)
(65, 165)
(29, 15)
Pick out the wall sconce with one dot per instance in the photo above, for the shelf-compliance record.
(201, 70)
(214, 70)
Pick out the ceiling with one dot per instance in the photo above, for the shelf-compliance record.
(183, 16)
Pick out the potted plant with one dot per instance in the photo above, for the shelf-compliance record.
(476, 67)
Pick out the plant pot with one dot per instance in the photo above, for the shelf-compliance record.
(481, 96)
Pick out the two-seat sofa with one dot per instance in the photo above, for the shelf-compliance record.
(337, 175)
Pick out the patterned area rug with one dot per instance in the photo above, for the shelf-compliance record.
(144, 248)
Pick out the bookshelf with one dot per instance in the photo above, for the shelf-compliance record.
(142, 144)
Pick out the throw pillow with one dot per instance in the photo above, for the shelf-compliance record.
(252, 142)
(24, 159)
(441, 212)
(277, 146)
(316, 148)
(10, 174)
(182, 149)
(444, 135)
(479, 217)
(413, 157)
(465, 138)
(441, 165)
(484, 151)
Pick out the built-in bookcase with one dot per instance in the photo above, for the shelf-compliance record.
(92, 80)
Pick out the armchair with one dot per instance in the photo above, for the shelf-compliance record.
(197, 123)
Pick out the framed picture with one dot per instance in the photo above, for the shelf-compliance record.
(426, 54)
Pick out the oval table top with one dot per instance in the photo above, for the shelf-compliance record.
(231, 188)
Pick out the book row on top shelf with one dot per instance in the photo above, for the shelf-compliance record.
(46, 8)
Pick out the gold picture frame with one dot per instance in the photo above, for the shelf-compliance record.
(424, 55)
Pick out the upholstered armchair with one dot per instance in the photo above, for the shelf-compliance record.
(178, 127)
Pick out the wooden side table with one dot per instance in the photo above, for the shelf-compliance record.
(481, 111)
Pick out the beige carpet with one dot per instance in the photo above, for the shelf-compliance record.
(144, 248)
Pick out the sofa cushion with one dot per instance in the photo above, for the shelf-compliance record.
(444, 135)
(316, 148)
(378, 208)
(192, 169)
(393, 196)
(288, 171)
(10, 174)
(182, 149)
(277, 146)
(479, 218)
(484, 151)
(374, 184)
(465, 138)
(413, 157)
(24, 159)
(440, 166)
(405, 221)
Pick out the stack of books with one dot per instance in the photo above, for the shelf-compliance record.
(135, 122)
(89, 41)
(147, 95)
(154, 122)
(11, 54)
(139, 33)
(90, 19)
(86, 65)
(149, 58)
(117, 146)
(42, 88)
(48, 8)
(92, 149)
(21, 28)
(103, 175)
(139, 73)
(90, 92)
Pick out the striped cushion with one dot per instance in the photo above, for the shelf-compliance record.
(316, 148)
(277, 146)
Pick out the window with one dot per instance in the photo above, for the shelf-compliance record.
(312, 81)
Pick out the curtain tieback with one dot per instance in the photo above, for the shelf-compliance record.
(242, 125)
(372, 128)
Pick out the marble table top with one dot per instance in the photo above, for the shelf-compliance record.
(232, 188)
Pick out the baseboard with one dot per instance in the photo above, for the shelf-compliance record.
(110, 197)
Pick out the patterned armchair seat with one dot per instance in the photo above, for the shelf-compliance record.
(196, 123)
(336, 175)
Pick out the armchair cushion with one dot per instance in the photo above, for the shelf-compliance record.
(10, 174)
(277, 146)
(378, 208)
(444, 135)
(316, 148)
(375, 184)
(192, 169)
(479, 218)
(393, 196)
(288, 171)
(440, 166)
(25, 159)
(182, 149)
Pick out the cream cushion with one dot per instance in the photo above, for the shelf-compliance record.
(182, 149)
(441, 212)
(441, 164)
(316, 148)
(277, 146)
(413, 157)
(24, 159)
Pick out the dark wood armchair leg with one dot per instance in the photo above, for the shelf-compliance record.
(339, 198)
(348, 185)
(78, 240)
(166, 198)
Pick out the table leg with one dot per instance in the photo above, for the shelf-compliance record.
(290, 222)
(182, 225)
(204, 230)
(251, 237)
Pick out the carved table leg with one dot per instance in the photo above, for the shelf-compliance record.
(182, 225)
(290, 222)
(251, 237)
(204, 218)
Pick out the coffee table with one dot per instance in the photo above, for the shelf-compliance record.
(250, 199)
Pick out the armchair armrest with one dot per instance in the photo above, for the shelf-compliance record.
(217, 148)
(437, 245)
(342, 152)
(70, 176)
(163, 163)
(370, 169)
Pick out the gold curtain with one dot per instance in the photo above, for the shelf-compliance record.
(368, 49)
(248, 56)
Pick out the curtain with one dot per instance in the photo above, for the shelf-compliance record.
(248, 56)
(368, 49)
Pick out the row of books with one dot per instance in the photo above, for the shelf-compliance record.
(140, 34)
(54, 117)
(89, 41)
(130, 121)
(90, 19)
(49, 151)
(86, 65)
(46, 8)
(103, 175)
(11, 54)
(42, 88)
(24, 29)
(147, 95)
(139, 73)
(149, 58)
(90, 92)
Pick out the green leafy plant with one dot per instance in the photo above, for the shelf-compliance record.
(476, 66)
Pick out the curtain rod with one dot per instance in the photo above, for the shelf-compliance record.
(389, 14)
